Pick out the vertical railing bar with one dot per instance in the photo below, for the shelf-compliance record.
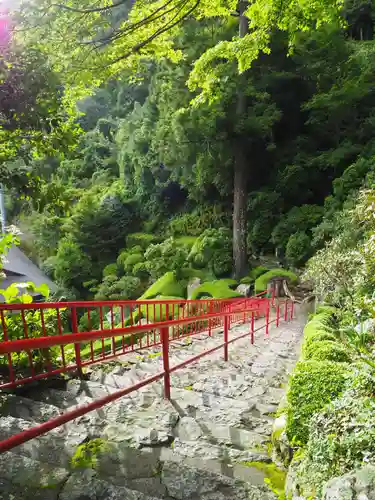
(9, 355)
(30, 356)
(77, 346)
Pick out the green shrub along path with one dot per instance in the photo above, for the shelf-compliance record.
(210, 442)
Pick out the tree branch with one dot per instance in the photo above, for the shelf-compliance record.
(89, 11)
(159, 32)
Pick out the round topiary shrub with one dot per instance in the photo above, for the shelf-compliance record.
(261, 283)
(312, 386)
(327, 350)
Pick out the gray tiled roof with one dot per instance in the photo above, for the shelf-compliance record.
(17, 262)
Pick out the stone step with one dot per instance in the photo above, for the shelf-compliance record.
(27, 409)
(29, 479)
(56, 447)
(163, 473)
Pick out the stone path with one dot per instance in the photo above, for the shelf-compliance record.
(199, 445)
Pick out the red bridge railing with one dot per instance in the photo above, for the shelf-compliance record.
(38, 341)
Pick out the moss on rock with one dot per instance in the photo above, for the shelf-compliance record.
(262, 281)
(216, 289)
(274, 476)
(87, 453)
(167, 286)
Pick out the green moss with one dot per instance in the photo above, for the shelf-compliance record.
(327, 350)
(312, 386)
(274, 477)
(216, 289)
(257, 271)
(154, 355)
(188, 387)
(167, 285)
(263, 280)
(86, 454)
(246, 280)
(203, 274)
(231, 283)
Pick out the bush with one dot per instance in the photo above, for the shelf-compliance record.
(327, 350)
(298, 219)
(312, 386)
(246, 280)
(164, 257)
(193, 224)
(261, 283)
(315, 331)
(216, 289)
(231, 283)
(187, 241)
(131, 261)
(140, 271)
(213, 249)
(110, 270)
(298, 249)
(257, 271)
(342, 438)
(202, 274)
(141, 240)
(125, 288)
(167, 285)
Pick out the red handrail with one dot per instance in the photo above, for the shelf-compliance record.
(229, 312)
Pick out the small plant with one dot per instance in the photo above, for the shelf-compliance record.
(87, 453)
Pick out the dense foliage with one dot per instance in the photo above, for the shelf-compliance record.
(267, 135)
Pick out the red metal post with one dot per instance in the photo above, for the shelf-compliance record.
(226, 331)
(77, 347)
(286, 310)
(164, 334)
(252, 328)
(277, 315)
(209, 321)
(267, 317)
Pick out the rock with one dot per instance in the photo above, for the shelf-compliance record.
(281, 449)
(85, 486)
(188, 429)
(356, 485)
(185, 483)
(192, 285)
(243, 290)
(28, 473)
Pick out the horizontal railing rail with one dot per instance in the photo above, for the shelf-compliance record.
(206, 315)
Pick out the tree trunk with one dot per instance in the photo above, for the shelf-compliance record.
(240, 171)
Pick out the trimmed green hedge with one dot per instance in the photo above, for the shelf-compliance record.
(167, 285)
(159, 312)
(216, 289)
(257, 272)
(263, 280)
(312, 386)
(327, 350)
(318, 329)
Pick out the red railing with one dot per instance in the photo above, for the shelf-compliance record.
(45, 339)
